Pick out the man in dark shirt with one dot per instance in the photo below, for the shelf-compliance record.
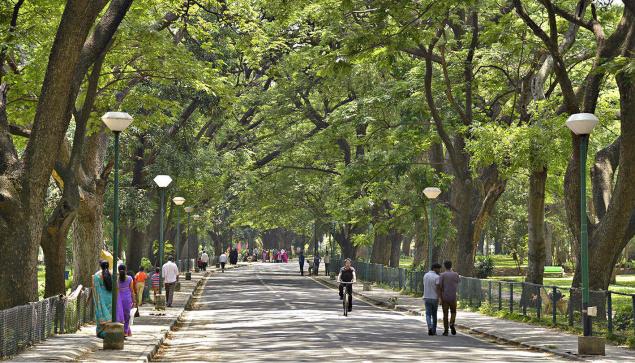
(449, 284)
(347, 274)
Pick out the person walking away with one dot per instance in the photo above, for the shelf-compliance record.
(264, 255)
(126, 297)
(347, 274)
(301, 261)
(170, 274)
(448, 284)
(156, 281)
(316, 263)
(431, 290)
(204, 260)
(327, 263)
(139, 284)
(233, 256)
(222, 259)
(285, 256)
(102, 297)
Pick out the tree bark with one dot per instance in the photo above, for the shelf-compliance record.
(536, 226)
(396, 240)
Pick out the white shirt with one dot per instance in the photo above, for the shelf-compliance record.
(205, 257)
(170, 272)
(222, 258)
(430, 282)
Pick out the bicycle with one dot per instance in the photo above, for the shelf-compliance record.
(347, 297)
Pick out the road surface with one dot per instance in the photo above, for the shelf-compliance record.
(268, 313)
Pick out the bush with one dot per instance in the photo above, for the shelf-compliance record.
(484, 267)
(623, 318)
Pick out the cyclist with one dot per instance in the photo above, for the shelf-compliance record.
(347, 274)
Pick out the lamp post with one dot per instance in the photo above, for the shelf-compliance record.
(116, 122)
(162, 181)
(431, 193)
(582, 124)
(178, 201)
(188, 274)
(196, 218)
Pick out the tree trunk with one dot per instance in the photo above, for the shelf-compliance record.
(405, 245)
(536, 226)
(381, 248)
(88, 236)
(53, 244)
(395, 238)
(420, 252)
(343, 236)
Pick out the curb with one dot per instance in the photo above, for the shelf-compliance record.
(472, 331)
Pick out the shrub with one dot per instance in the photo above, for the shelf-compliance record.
(623, 318)
(484, 267)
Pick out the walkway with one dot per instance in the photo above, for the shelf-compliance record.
(267, 312)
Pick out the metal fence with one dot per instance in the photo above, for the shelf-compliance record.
(25, 325)
(550, 305)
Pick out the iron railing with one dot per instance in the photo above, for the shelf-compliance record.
(26, 325)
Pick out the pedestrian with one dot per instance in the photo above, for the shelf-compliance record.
(327, 263)
(301, 261)
(126, 298)
(204, 260)
(102, 297)
(139, 284)
(156, 282)
(264, 255)
(316, 263)
(222, 260)
(233, 256)
(285, 256)
(170, 275)
(431, 294)
(256, 254)
(449, 284)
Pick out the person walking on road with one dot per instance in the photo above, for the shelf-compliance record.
(431, 294)
(102, 297)
(301, 261)
(170, 275)
(327, 263)
(449, 284)
(140, 282)
(223, 261)
(204, 260)
(316, 263)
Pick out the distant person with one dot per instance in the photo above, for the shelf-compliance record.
(316, 263)
(170, 275)
(347, 274)
(156, 282)
(327, 263)
(222, 259)
(449, 284)
(431, 294)
(233, 256)
(264, 255)
(102, 297)
(126, 297)
(204, 260)
(139, 284)
(255, 254)
(301, 261)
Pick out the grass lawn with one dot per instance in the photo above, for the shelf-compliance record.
(505, 261)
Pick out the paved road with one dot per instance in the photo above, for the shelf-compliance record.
(268, 313)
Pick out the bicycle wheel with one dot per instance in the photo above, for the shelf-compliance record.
(345, 303)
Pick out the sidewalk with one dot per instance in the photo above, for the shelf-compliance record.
(507, 331)
(148, 332)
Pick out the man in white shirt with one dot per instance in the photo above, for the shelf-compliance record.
(204, 260)
(170, 273)
(431, 293)
(222, 260)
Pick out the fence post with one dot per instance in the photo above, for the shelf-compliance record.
(553, 305)
(609, 312)
(570, 307)
(400, 278)
(489, 293)
(511, 297)
(633, 303)
(539, 303)
(522, 296)
(500, 295)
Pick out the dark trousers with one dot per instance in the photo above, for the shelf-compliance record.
(349, 289)
(451, 305)
(222, 266)
(317, 267)
(302, 268)
(169, 292)
(326, 269)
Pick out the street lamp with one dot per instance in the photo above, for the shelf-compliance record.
(431, 193)
(582, 124)
(178, 201)
(196, 218)
(162, 181)
(116, 122)
(188, 274)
